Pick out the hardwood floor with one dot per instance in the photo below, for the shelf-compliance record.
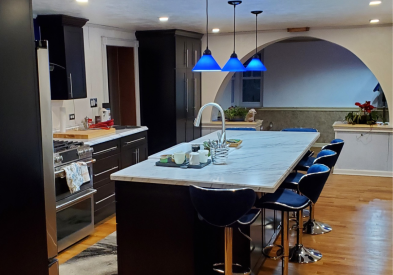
(104, 229)
(360, 211)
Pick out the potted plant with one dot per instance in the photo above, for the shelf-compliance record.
(366, 115)
(235, 113)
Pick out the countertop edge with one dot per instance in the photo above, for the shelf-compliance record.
(115, 136)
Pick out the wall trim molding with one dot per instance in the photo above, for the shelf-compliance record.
(109, 28)
(120, 42)
(371, 173)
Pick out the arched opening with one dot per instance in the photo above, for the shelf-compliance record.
(308, 80)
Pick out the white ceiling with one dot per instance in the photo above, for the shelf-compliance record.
(190, 14)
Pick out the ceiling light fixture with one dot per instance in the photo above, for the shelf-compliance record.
(373, 3)
(163, 19)
(207, 63)
(234, 64)
(255, 63)
(215, 30)
(373, 21)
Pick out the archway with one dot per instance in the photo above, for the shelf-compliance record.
(373, 46)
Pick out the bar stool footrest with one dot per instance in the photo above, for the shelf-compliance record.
(236, 269)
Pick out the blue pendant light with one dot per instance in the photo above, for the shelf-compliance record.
(255, 63)
(207, 63)
(234, 64)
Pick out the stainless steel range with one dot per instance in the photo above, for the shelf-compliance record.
(74, 211)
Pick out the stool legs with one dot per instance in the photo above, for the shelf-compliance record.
(299, 253)
(228, 250)
(314, 227)
(285, 242)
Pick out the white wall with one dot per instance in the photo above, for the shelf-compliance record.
(315, 74)
(372, 45)
(94, 75)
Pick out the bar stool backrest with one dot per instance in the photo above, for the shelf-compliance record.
(311, 184)
(222, 207)
(299, 130)
(326, 157)
(336, 145)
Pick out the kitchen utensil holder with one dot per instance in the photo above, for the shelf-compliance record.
(219, 155)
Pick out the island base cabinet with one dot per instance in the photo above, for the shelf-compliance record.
(159, 232)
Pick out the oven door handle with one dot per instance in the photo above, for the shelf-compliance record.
(76, 200)
(63, 172)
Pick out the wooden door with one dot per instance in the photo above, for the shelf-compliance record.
(121, 84)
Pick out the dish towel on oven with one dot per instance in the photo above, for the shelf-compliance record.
(76, 175)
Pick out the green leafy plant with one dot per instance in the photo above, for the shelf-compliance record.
(366, 115)
(235, 111)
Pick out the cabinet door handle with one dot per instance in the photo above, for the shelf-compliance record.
(72, 92)
(106, 171)
(187, 58)
(187, 94)
(105, 151)
(195, 91)
(195, 57)
(106, 198)
(138, 156)
(133, 141)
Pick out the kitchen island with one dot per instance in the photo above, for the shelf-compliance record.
(159, 231)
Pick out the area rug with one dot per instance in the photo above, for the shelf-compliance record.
(99, 259)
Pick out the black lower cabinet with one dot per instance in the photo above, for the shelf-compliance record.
(110, 157)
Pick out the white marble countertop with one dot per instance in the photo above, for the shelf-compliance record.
(118, 134)
(340, 126)
(262, 163)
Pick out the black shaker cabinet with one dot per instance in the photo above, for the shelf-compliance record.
(170, 93)
(66, 55)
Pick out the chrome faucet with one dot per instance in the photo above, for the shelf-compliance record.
(197, 121)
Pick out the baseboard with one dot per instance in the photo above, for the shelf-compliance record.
(371, 173)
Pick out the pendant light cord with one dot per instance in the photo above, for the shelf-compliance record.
(207, 24)
(234, 28)
(256, 34)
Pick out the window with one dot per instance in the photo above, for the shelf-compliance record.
(247, 89)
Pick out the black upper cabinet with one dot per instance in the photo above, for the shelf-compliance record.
(66, 55)
(170, 93)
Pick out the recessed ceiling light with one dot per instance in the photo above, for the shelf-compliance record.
(82, 1)
(374, 21)
(164, 19)
(373, 3)
(215, 30)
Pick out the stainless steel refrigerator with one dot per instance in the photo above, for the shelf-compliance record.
(47, 154)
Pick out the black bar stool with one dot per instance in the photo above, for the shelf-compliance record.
(336, 145)
(287, 201)
(313, 227)
(226, 208)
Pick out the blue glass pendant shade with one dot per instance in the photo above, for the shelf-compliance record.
(256, 64)
(233, 65)
(207, 63)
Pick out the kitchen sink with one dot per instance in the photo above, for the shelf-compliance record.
(125, 127)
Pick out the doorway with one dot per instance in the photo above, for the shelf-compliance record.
(121, 84)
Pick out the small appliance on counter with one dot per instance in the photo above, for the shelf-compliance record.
(105, 112)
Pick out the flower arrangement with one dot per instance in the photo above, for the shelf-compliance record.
(366, 115)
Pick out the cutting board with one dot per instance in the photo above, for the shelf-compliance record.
(88, 134)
